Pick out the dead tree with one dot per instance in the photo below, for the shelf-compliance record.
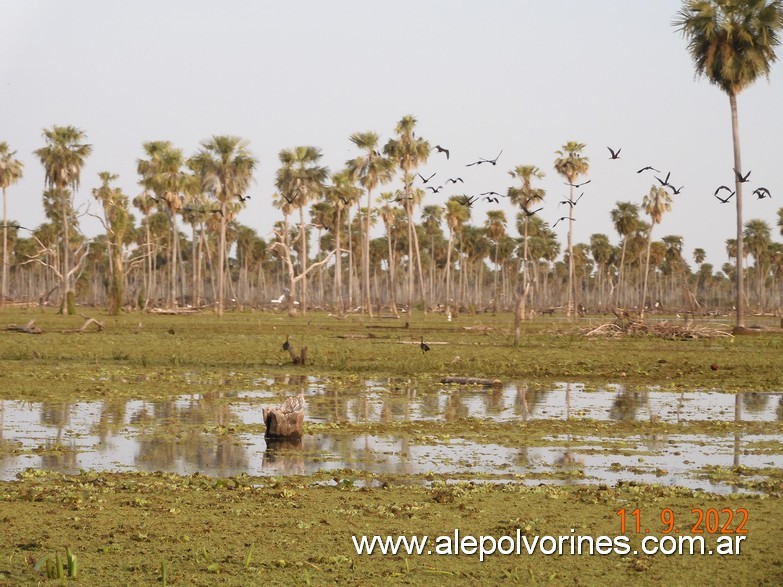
(287, 420)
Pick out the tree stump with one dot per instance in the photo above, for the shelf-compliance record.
(297, 359)
(287, 420)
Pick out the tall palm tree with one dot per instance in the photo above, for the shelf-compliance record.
(625, 217)
(11, 171)
(118, 222)
(602, 252)
(300, 180)
(163, 174)
(409, 152)
(370, 169)
(456, 216)
(732, 44)
(225, 167)
(571, 165)
(145, 203)
(758, 237)
(655, 203)
(496, 229)
(342, 193)
(431, 218)
(526, 197)
(63, 159)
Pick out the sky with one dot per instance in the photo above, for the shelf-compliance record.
(519, 79)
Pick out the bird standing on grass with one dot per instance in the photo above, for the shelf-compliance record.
(286, 344)
(424, 346)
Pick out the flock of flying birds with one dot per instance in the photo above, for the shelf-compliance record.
(494, 197)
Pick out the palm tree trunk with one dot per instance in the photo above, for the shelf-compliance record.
(646, 272)
(738, 190)
(303, 237)
(338, 265)
(4, 292)
(66, 278)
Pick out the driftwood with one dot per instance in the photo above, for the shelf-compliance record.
(473, 381)
(27, 328)
(297, 359)
(287, 420)
(87, 324)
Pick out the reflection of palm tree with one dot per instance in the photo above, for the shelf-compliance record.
(780, 408)
(455, 407)
(112, 418)
(755, 402)
(625, 405)
(55, 414)
(526, 400)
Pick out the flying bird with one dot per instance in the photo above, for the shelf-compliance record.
(242, 198)
(742, 178)
(578, 185)
(675, 190)
(492, 194)
(469, 200)
(435, 190)
(723, 187)
(573, 203)
(615, 154)
(529, 213)
(454, 180)
(648, 167)
(762, 193)
(491, 199)
(495, 160)
(427, 179)
(442, 150)
(563, 218)
(726, 199)
(664, 182)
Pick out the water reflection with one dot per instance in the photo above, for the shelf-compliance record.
(198, 433)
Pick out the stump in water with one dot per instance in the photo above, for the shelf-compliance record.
(297, 359)
(287, 420)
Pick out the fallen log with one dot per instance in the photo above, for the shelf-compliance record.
(285, 421)
(472, 381)
(27, 328)
(86, 325)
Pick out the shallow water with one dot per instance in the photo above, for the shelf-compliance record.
(194, 434)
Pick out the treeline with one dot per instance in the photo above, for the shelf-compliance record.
(189, 248)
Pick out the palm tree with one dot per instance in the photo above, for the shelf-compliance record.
(431, 217)
(63, 158)
(758, 236)
(456, 216)
(526, 197)
(409, 152)
(343, 193)
(370, 169)
(225, 167)
(571, 165)
(10, 173)
(118, 222)
(602, 252)
(300, 180)
(732, 43)
(145, 203)
(625, 217)
(655, 203)
(162, 174)
(496, 230)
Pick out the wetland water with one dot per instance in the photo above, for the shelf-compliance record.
(221, 434)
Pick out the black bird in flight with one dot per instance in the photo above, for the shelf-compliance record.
(483, 160)
(664, 182)
(242, 198)
(217, 211)
(529, 213)
(578, 185)
(454, 180)
(726, 199)
(442, 150)
(401, 198)
(427, 179)
(723, 187)
(573, 203)
(648, 167)
(14, 225)
(491, 199)
(742, 178)
(492, 194)
(424, 346)
(562, 218)
(675, 190)
(469, 200)
(615, 154)
(435, 190)
(762, 193)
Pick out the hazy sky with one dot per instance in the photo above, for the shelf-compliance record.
(523, 77)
